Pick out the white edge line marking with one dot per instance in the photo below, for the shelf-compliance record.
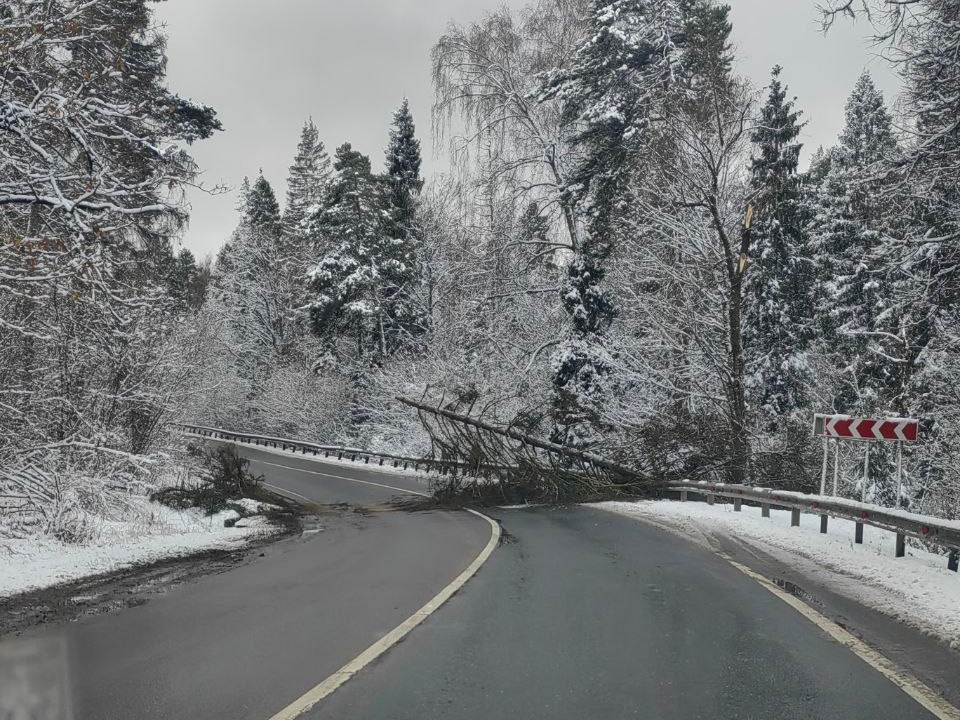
(913, 687)
(334, 681)
(283, 491)
(326, 687)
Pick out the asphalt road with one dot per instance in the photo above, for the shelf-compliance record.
(586, 614)
(246, 642)
(580, 614)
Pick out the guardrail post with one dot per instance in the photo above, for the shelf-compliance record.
(765, 510)
(858, 533)
(794, 517)
(901, 545)
(737, 503)
(823, 524)
(953, 560)
(710, 499)
(381, 462)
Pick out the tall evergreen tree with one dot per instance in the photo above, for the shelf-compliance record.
(403, 166)
(778, 301)
(262, 208)
(611, 89)
(360, 285)
(256, 288)
(307, 182)
(849, 220)
(708, 63)
(188, 280)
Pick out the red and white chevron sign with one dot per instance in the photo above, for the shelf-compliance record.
(844, 426)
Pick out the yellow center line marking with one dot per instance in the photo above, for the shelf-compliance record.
(913, 687)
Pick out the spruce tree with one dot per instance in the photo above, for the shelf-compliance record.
(403, 166)
(262, 208)
(778, 301)
(187, 281)
(404, 184)
(307, 182)
(612, 89)
(360, 286)
(255, 286)
(850, 219)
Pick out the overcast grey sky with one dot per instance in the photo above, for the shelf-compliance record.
(266, 65)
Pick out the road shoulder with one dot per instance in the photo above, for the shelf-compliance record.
(831, 593)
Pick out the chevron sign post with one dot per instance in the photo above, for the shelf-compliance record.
(850, 428)
(844, 427)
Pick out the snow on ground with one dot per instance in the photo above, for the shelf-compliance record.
(158, 532)
(916, 589)
(254, 507)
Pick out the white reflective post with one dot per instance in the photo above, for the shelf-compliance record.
(823, 471)
(836, 465)
(899, 471)
(866, 473)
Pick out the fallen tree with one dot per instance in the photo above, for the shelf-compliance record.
(526, 468)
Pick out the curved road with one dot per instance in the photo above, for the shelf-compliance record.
(246, 642)
(591, 615)
(580, 614)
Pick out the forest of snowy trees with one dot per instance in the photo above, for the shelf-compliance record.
(626, 255)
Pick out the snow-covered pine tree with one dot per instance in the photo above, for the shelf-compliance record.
(925, 269)
(921, 256)
(256, 288)
(778, 313)
(407, 318)
(262, 208)
(867, 138)
(849, 218)
(612, 89)
(358, 286)
(93, 153)
(307, 182)
(403, 167)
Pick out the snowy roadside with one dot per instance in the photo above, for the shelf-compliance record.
(156, 533)
(916, 589)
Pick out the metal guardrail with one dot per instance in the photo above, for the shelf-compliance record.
(442, 467)
(923, 527)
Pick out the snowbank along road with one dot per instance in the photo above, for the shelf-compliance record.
(579, 614)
